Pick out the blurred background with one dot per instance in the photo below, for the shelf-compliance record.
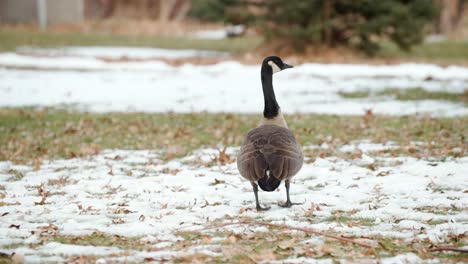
(422, 30)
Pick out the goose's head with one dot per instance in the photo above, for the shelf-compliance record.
(276, 64)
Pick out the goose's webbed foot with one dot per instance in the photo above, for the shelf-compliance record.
(289, 204)
(257, 203)
(288, 201)
(262, 209)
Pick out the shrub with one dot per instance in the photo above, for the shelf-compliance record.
(361, 24)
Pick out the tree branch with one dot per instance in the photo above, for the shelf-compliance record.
(449, 248)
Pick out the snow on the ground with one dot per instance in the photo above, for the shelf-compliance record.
(154, 86)
(120, 53)
(135, 194)
(220, 33)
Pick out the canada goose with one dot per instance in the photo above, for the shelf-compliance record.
(270, 153)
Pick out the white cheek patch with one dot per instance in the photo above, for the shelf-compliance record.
(274, 67)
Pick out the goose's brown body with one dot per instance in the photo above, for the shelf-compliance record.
(269, 148)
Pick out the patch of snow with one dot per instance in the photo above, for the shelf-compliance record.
(220, 33)
(367, 146)
(302, 260)
(153, 86)
(60, 249)
(211, 34)
(435, 38)
(120, 53)
(406, 70)
(153, 201)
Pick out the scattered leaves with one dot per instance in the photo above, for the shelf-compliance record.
(216, 182)
(383, 173)
(43, 193)
(222, 157)
(14, 226)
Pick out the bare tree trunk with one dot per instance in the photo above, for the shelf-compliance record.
(326, 13)
(180, 9)
(449, 16)
(166, 7)
(162, 10)
(152, 7)
(108, 7)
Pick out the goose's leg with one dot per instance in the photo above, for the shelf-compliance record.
(288, 201)
(255, 189)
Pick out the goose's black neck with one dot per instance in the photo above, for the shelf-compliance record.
(271, 105)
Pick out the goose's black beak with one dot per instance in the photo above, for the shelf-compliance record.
(286, 66)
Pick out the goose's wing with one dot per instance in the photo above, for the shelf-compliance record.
(250, 160)
(272, 148)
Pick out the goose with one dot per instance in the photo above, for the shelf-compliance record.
(270, 152)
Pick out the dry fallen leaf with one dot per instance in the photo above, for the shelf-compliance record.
(179, 188)
(287, 244)
(89, 150)
(368, 116)
(216, 182)
(383, 173)
(42, 192)
(231, 239)
(42, 202)
(118, 221)
(206, 240)
(122, 211)
(232, 250)
(222, 157)
(264, 255)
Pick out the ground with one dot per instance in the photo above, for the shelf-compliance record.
(126, 205)
(121, 155)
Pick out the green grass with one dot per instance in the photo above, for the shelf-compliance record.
(5, 260)
(436, 222)
(354, 94)
(346, 218)
(104, 240)
(30, 135)
(421, 94)
(11, 39)
(445, 52)
(410, 94)
(394, 246)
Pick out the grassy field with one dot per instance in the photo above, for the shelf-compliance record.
(410, 95)
(27, 134)
(11, 39)
(445, 52)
